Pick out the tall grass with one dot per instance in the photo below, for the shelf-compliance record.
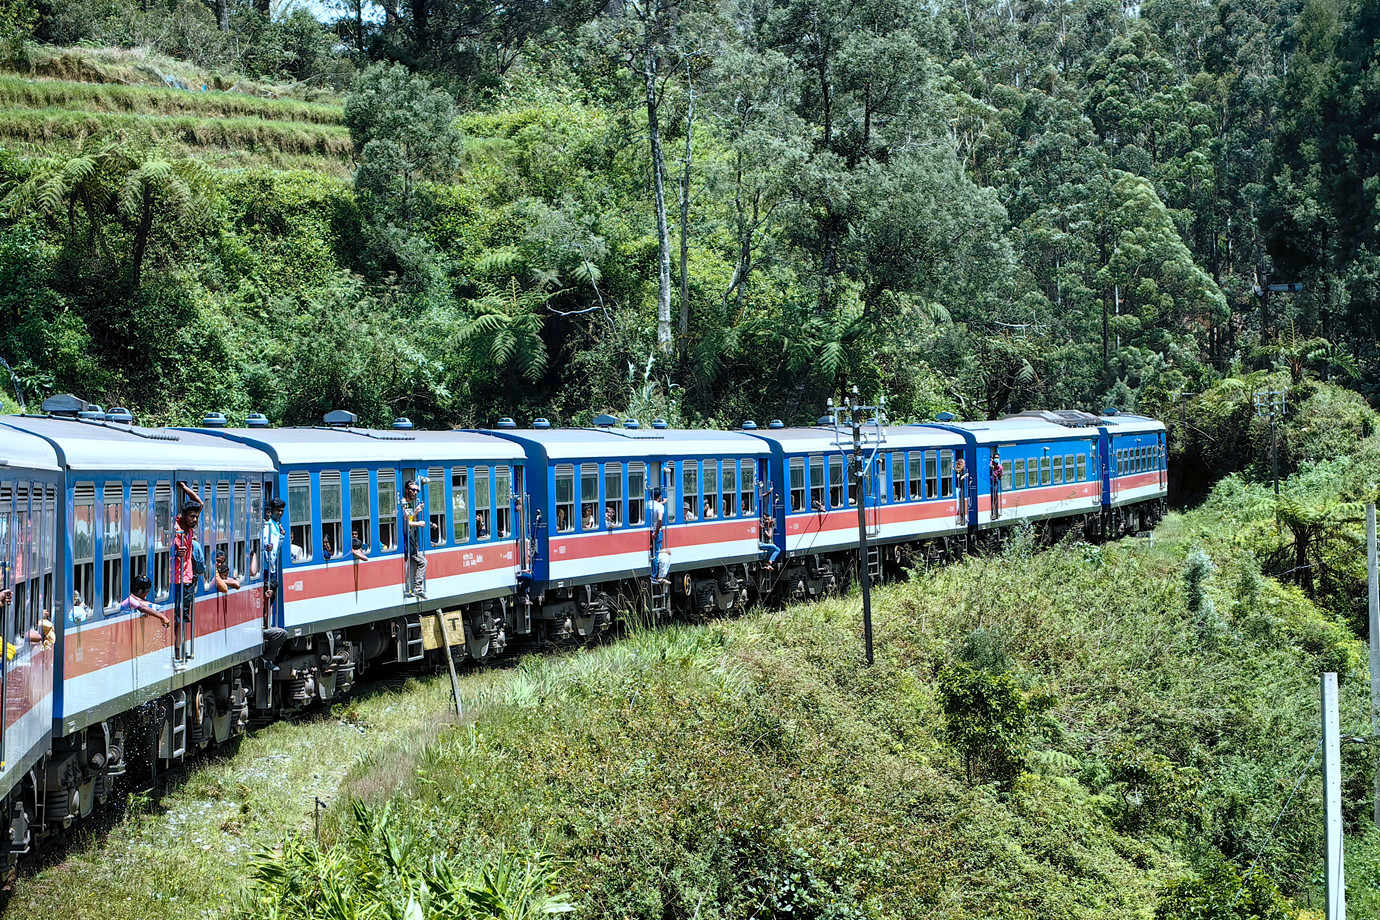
(18, 93)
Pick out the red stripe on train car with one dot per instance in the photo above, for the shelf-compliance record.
(347, 576)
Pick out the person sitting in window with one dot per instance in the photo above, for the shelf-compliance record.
(357, 548)
(689, 509)
(139, 587)
(328, 546)
(709, 510)
(611, 514)
(587, 521)
(80, 612)
(224, 578)
(481, 524)
(562, 520)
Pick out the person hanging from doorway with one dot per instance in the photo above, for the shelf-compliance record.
(996, 471)
(766, 540)
(961, 485)
(658, 518)
(414, 520)
(189, 564)
(271, 544)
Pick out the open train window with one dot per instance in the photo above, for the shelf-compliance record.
(797, 484)
(946, 474)
(565, 499)
(388, 510)
(299, 515)
(162, 540)
(6, 524)
(931, 474)
(84, 541)
(747, 487)
(590, 517)
(730, 488)
(709, 508)
(690, 490)
(436, 501)
(483, 503)
(361, 515)
(255, 530)
(1058, 470)
(613, 494)
(898, 476)
(241, 525)
(838, 497)
(817, 483)
(49, 554)
(224, 532)
(332, 515)
(460, 505)
(1081, 467)
(917, 475)
(113, 547)
(637, 493)
(503, 501)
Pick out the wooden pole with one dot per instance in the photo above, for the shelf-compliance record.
(450, 663)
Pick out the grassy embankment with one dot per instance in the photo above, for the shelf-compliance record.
(74, 97)
(755, 767)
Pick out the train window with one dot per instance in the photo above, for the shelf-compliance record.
(917, 475)
(299, 512)
(224, 531)
(637, 493)
(256, 529)
(898, 476)
(1121, 462)
(483, 502)
(690, 490)
(589, 496)
(83, 540)
(817, 483)
(6, 519)
(1018, 472)
(50, 552)
(138, 529)
(240, 524)
(1082, 467)
(613, 494)
(503, 500)
(1058, 471)
(113, 547)
(931, 474)
(565, 499)
(837, 493)
(436, 505)
(1070, 474)
(361, 515)
(388, 510)
(946, 474)
(797, 484)
(24, 525)
(1044, 471)
(747, 487)
(711, 490)
(162, 540)
(460, 505)
(730, 485)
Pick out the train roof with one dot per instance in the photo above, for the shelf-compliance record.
(824, 439)
(343, 446)
(1130, 424)
(90, 444)
(1020, 429)
(592, 443)
(20, 450)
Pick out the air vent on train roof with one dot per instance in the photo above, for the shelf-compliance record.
(64, 404)
(660, 424)
(944, 417)
(402, 424)
(95, 412)
(541, 423)
(749, 425)
(506, 423)
(341, 418)
(213, 420)
(776, 423)
(632, 423)
(605, 421)
(120, 414)
(256, 420)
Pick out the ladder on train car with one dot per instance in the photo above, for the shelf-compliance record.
(176, 747)
(410, 644)
(661, 600)
(874, 564)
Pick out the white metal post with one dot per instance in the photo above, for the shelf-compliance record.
(1332, 797)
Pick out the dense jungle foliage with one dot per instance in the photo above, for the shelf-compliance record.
(705, 210)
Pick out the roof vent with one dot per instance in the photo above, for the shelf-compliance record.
(506, 422)
(402, 424)
(94, 411)
(605, 421)
(213, 420)
(776, 424)
(341, 418)
(541, 423)
(257, 420)
(749, 425)
(65, 404)
(660, 424)
(944, 417)
(120, 414)
(632, 423)
(1110, 410)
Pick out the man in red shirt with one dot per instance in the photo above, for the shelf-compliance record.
(188, 563)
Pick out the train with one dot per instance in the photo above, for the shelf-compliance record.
(137, 636)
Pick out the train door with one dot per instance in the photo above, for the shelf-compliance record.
(7, 570)
(1159, 459)
(519, 502)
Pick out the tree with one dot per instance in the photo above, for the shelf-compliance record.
(404, 133)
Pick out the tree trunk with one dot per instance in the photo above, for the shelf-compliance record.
(263, 7)
(141, 237)
(223, 15)
(685, 218)
(664, 339)
(421, 14)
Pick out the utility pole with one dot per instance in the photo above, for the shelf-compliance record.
(1332, 798)
(1374, 593)
(858, 417)
(1270, 404)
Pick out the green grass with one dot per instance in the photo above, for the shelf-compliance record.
(19, 93)
(757, 767)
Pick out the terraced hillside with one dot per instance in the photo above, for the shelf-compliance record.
(226, 128)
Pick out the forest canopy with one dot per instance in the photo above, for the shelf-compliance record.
(704, 210)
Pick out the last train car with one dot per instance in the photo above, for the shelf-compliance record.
(127, 688)
(346, 596)
(1134, 471)
(30, 533)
